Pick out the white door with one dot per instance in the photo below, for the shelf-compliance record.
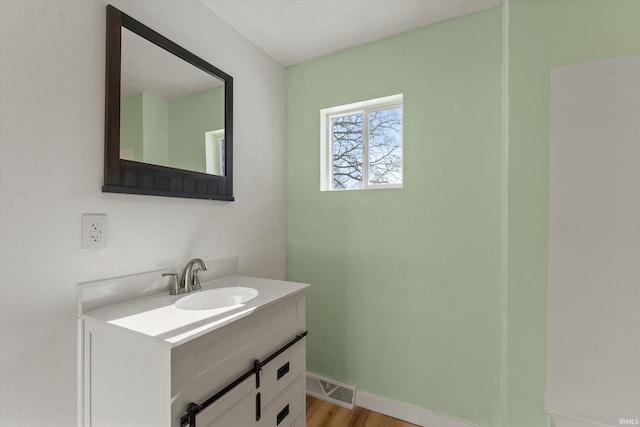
(593, 350)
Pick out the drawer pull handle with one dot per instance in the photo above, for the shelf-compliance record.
(282, 415)
(283, 370)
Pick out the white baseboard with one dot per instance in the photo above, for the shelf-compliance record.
(405, 412)
(392, 408)
(559, 419)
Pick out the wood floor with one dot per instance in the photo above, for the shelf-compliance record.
(324, 414)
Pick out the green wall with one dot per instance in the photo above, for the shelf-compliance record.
(131, 125)
(544, 35)
(155, 130)
(435, 295)
(405, 301)
(171, 133)
(190, 117)
(144, 126)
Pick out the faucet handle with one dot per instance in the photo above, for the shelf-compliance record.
(175, 289)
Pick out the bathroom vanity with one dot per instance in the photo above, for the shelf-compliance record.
(231, 354)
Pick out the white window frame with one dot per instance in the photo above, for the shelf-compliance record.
(326, 154)
(214, 148)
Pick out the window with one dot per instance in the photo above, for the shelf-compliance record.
(214, 152)
(362, 145)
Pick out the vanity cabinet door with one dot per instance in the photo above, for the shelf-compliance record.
(235, 409)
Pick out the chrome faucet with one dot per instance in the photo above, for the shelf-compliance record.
(189, 280)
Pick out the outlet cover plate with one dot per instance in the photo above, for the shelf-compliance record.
(94, 231)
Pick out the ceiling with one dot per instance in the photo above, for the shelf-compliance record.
(295, 31)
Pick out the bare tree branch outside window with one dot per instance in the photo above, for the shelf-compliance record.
(347, 151)
(384, 148)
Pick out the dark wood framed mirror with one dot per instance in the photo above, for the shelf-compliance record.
(168, 117)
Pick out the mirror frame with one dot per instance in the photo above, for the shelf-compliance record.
(127, 176)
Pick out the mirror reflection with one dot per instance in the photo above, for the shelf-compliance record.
(171, 112)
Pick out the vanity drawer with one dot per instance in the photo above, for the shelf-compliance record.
(285, 409)
(280, 372)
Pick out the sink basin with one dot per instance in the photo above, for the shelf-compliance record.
(216, 298)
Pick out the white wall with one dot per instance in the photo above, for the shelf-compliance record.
(51, 159)
(594, 244)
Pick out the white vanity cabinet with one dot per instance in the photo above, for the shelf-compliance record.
(237, 408)
(134, 379)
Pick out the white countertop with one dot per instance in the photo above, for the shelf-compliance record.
(157, 317)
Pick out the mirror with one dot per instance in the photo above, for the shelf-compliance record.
(171, 113)
(168, 127)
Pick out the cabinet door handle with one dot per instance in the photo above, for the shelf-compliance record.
(283, 371)
(282, 415)
(258, 407)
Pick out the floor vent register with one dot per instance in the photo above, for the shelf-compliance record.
(331, 391)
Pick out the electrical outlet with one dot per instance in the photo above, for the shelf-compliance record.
(94, 231)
